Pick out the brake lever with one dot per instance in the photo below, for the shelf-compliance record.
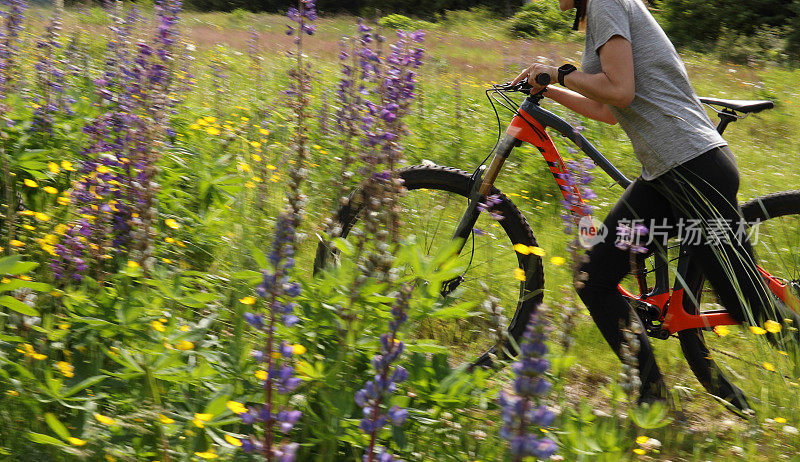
(522, 87)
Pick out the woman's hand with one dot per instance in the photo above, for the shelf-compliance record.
(531, 72)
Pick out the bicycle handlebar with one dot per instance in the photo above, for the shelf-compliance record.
(524, 87)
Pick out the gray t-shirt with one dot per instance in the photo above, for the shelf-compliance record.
(666, 123)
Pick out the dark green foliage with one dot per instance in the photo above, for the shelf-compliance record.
(538, 19)
(793, 40)
(692, 23)
(687, 21)
(419, 8)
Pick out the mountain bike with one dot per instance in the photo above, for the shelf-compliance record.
(442, 205)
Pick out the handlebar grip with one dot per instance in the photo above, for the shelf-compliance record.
(543, 79)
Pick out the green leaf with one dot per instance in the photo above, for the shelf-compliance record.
(426, 347)
(650, 416)
(19, 283)
(18, 306)
(45, 439)
(217, 405)
(83, 385)
(459, 310)
(6, 263)
(259, 257)
(343, 246)
(21, 267)
(399, 437)
(56, 425)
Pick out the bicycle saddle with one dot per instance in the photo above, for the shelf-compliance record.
(743, 106)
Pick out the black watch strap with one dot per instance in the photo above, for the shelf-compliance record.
(563, 71)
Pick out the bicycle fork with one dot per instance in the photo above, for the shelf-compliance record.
(482, 186)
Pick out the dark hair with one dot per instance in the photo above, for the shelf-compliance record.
(580, 14)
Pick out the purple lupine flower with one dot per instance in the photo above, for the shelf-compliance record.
(278, 289)
(523, 414)
(50, 97)
(117, 191)
(373, 397)
(488, 206)
(576, 189)
(631, 238)
(10, 44)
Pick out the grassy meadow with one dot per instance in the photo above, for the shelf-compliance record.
(222, 181)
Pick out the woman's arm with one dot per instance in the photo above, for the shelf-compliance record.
(581, 104)
(614, 85)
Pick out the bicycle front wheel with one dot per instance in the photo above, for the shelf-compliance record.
(736, 363)
(436, 199)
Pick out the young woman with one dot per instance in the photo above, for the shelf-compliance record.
(632, 75)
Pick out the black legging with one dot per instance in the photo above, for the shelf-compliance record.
(703, 188)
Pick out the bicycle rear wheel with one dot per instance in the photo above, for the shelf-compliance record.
(435, 201)
(737, 364)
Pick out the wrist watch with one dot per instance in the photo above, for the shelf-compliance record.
(564, 70)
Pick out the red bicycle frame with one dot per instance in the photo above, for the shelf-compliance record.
(673, 313)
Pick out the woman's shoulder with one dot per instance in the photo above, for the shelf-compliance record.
(592, 4)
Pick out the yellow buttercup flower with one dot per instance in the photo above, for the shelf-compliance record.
(184, 345)
(16, 243)
(200, 419)
(642, 439)
(104, 419)
(247, 300)
(522, 248)
(558, 261)
(50, 190)
(772, 326)
(255, 144)
(298, 349)
(519, 274)
(264, 131)
(271, 167)
(779, 420)
(236, 407)
(76, 441)
(244, 167)
(30, 183)
(133, 264)
(157, 325)
(255, 157)
(102, 169)
(172, 223)
(722, 330)
(67, 369)
(538, 251)
(67, 165)
(53, 167)
(206, 455)
(640, 451)
(42, 216)
(63, 200)
(261, 375)
(213, 131)
(233, 441)
(165, 420)
(768, 366)
(757, 330)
